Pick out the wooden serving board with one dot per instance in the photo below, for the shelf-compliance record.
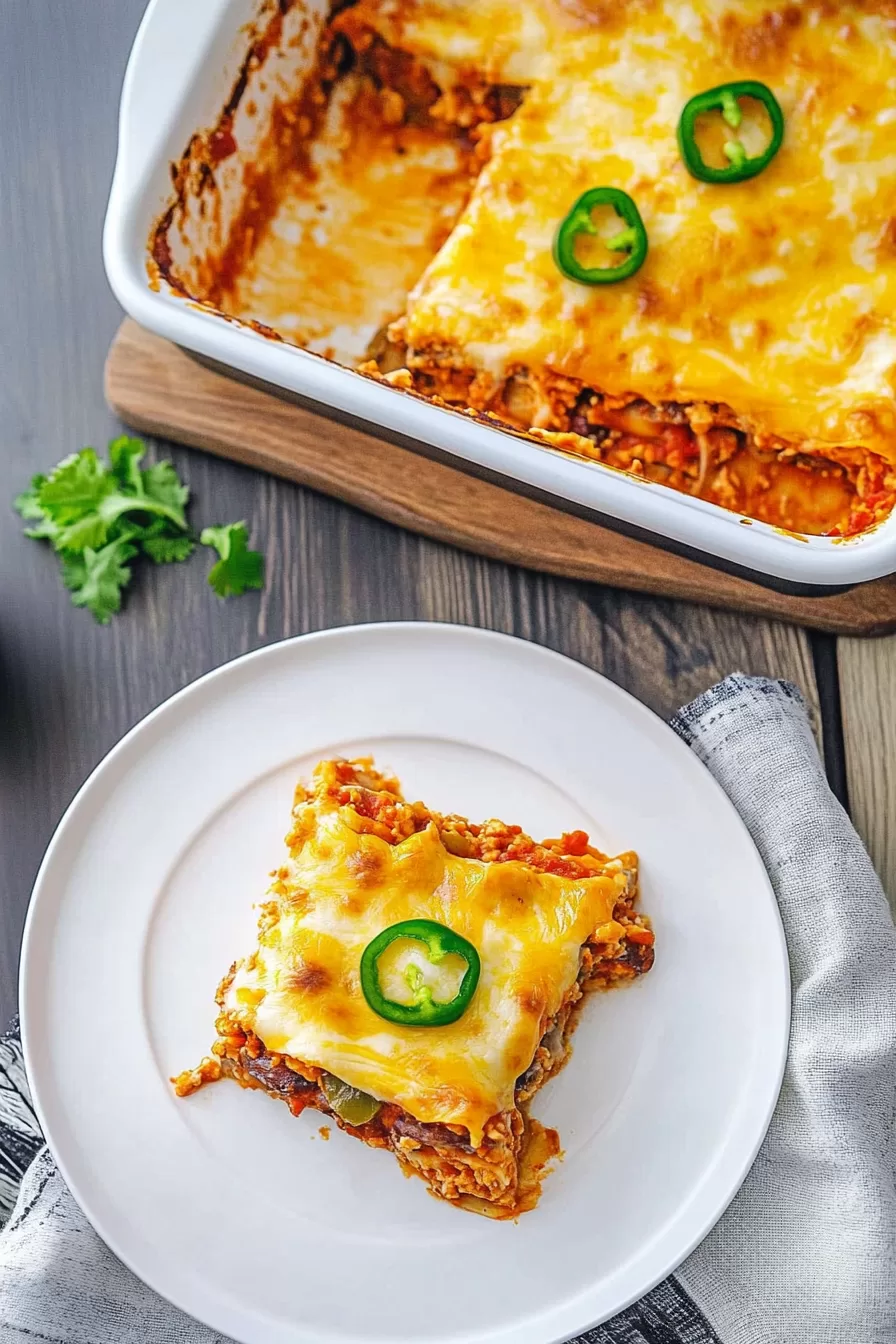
(159, 389)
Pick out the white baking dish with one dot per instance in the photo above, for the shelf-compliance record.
(181, 71)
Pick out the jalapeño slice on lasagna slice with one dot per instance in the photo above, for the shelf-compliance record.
(416, 978)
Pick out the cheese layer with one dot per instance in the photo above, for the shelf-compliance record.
(301, 994)
(776, 296)
(500, 41)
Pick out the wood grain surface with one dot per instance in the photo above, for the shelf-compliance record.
(161, 389)
(69, 688)
(868, 691)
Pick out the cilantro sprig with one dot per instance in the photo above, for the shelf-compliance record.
(100, 516)
(238, 568)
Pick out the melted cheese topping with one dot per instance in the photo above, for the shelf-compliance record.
(501, 41)
(776, 296)
(300, 991)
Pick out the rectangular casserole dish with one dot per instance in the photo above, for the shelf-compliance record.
(184, 67)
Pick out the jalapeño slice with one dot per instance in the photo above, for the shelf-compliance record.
(724, 98)
(424, 1011)
(632, 240)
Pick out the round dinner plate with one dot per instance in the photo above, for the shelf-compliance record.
(244, 1216)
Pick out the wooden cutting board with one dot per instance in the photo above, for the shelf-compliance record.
(160, 389)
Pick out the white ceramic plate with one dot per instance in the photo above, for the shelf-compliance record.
(244, 1216)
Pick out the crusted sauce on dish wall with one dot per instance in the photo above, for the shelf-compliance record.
(300, 991)
(355, 225)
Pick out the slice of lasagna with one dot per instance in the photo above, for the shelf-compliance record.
(417, 978)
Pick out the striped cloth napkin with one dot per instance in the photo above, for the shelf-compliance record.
(806, 1253)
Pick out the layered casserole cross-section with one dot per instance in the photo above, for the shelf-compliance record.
(417, 979)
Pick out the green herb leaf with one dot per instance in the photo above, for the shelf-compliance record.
(75, 488)
(164, 543)
(45, 530)
(97, 577)
(27, 503)
(165, 549)
(84, 499)
(162, 484)
(74, 570)
(115, 506)
(98, 516)
(238, 567)
(125, 454)
(91, 530)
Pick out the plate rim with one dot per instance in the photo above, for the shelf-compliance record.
(68, 824)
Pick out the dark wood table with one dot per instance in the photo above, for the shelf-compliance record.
(71, 688)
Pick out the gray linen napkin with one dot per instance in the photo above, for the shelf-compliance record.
(806, 1253)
